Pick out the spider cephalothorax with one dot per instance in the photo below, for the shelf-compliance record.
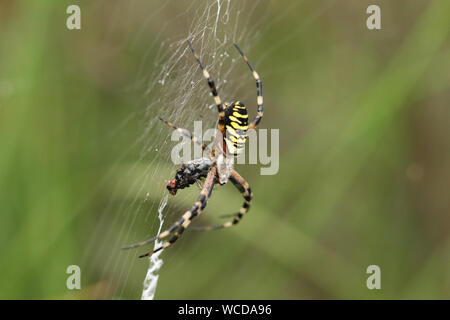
(218, 167)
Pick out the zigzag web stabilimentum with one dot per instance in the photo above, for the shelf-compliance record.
(170, 85)
(151, 279)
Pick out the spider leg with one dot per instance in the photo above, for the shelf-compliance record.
(199, 184)
(259, 93)
(244, 188)
(179, 226)
(185, 133)
(210, 80)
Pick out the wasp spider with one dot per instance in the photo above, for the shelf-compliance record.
(229, 141)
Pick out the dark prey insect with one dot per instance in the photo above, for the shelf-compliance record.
(218, 168)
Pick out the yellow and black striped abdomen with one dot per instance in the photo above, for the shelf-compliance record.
(236, 126)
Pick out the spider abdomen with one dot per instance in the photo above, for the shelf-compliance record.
(236, 126)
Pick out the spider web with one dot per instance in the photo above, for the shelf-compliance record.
(171, 86)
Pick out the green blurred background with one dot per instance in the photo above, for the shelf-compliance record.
(364, 173)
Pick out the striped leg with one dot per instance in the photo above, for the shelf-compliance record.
(179, 226)
(211, 84)
(259, 93)
(185, 133)
(244, 188)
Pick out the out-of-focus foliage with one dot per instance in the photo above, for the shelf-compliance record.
(364, 153)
